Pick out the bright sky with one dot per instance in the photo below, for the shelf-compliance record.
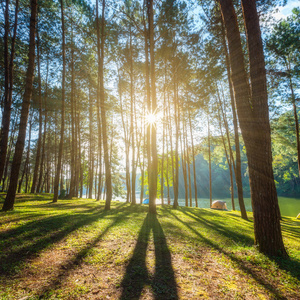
(286, 10)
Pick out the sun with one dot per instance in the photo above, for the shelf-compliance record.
(151, 118)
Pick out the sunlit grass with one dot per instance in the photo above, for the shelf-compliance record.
(75, 250)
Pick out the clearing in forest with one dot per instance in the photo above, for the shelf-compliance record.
(74, 249)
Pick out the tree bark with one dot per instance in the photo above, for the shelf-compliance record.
(39, 187)
(10, 197)
(132, 129)
(194, 163)
(209, 163)
(108, 183)
(238, 168)
(154, 163)
(62, 129)
(183, 165)
(8, 84)
(27, 158)
(39, 142)
(253, 115)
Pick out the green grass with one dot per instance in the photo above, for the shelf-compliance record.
(75, 250)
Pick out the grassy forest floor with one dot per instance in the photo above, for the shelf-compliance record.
(76, 250)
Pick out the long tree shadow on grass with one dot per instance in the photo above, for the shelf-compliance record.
(242, 265)
(220, 228)
(26, 241)
(163, 282)
(288, 264)
(76, 260)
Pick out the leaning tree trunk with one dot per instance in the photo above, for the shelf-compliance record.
(62, 128)
(10, 197)
(238, 168)
(253, 113)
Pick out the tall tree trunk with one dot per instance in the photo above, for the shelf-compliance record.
(183, 165)
(288, 68)
(154, 162)
(188, 164)
(163, 141)
(171, 152)
(193, 155)
(10, 197)
(73, 117)
(62, 128)
(228, 158)
(39, 142)
(11, 145)
(108, 183)
(77, 151)
(176, 121)
(142, 163)
(27, 158)
(209, 163)
(132, 129)
(91, 149)
(8, 84)
(252, 108)
(238, 168)
(38, 188)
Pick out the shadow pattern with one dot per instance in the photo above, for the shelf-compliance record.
(163, 282)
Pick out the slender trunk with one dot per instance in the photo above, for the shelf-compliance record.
(98, 108)
(11, 145)
(288, 67)
(10, 197)
(8, 84)
(228, 158)
(38, 188)
(132, 129)
(183, 165)
(81, 173)
(77, 151)
(91, 149)
(142, 163)
(108, 183)
(163, 143)
(176, 120)
(62, 128)
(73, 117)
(39, 143)
(188, 164)
(167, 173)
(209, 163)
(171, 146)
(27, 158)
(193, 155)
(154, 162)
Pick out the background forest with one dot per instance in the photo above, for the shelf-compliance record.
(195, 119)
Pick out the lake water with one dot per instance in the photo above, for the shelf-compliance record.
(288, 206)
